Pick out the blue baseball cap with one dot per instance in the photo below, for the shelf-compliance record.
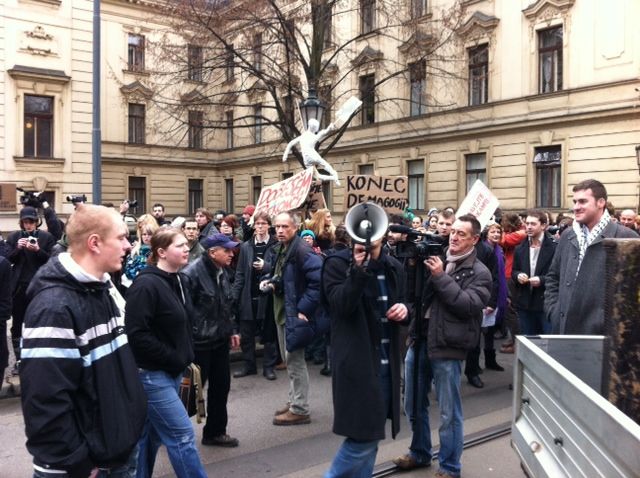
(219, 240)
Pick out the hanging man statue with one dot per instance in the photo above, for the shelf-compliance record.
(308, 141)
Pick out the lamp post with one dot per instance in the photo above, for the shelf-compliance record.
(311, 108)
(638, 156)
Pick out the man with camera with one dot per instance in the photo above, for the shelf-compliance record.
(365, 291)
(251, 303)
(294, 280)
(29, 249)
(454, 297)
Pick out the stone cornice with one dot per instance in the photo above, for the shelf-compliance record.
(136, 89)
(545, 9)
(478, 24)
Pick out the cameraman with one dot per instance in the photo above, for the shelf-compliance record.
(54, 225)
(29, 249)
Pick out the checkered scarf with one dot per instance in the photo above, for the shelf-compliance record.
(585, 238)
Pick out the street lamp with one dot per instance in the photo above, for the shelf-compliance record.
(638, 156)
(311, 108)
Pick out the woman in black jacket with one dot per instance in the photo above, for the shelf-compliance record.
(159, 329)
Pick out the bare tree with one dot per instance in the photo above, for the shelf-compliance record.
(237, 54)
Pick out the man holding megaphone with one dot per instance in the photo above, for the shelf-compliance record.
(365, 291)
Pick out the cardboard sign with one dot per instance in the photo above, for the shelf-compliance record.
(8, 197)
(388, 192)
(285, 195)
(480, 202)
(315, 199)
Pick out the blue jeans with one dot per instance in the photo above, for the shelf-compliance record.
(420, 448)
(167, 424)
(446, 375)
(354, 460)
(533, 322)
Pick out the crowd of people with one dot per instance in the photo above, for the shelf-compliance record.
(104, 322)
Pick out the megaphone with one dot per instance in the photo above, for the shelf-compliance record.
(366, 223)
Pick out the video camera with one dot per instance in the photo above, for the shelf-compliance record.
(30, 198)
(132, 202)
(430, 245)
(77, 198)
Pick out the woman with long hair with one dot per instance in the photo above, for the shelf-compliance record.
(137, 259)
(322, 226)
(159, 331)
(494, 236)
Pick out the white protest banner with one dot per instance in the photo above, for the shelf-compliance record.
(285, 195)
(388, 192)
(346, 110)
(480, 202)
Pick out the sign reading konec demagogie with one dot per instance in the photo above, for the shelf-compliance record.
(388, 192)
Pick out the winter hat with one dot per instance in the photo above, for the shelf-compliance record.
(308, 232)
(249, 209)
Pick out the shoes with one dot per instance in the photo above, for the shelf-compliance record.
(243, 373)
(326, 371)
(474, 381)
(289, 418)
(444, 474)
(490, 361)
(282, 410)
(507, 348)
(269, 374)
(220, 440)
(408, 462)
(318, 361)
(281, 366)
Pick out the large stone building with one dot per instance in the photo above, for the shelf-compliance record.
(542, 94)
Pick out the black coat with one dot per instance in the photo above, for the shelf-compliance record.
(26, 263)
(358, 399)
(527, 297)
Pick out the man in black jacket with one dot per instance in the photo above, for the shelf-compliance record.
(367, 301)
(215, 329)
(250, 301)
(29, 249)
(531, 262)
(83, 405)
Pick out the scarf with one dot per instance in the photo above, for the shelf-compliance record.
(585, 238)
(453, 260)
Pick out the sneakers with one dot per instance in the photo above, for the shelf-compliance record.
(220, 440)
(408, 462)
(290, 418)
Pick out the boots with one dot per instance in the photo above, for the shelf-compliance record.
(326, 370)
(490, 361)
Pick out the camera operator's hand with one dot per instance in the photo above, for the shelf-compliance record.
(33, 246)
(435, 265)
(22, 243)
(397, 313)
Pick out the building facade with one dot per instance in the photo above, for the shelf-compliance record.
(539, 95)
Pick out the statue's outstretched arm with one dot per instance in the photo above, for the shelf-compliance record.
(287, 150)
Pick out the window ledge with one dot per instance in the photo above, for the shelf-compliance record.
(137, 72)
(421, 19)
(50, 3)
(39, 159)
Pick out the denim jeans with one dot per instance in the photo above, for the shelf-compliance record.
(167, 424)
(354, 460)
(446, 375)
(533, 322)
(420, 448)
(298, 376)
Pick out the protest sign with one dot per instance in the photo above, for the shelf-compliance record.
(285, 195)
(315, 198)
(480, 202)
(388, 192)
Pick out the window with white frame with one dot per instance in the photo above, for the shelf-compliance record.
(38, 126)
(478, 75)
(415, 169)
(548, 163)
(135, 52)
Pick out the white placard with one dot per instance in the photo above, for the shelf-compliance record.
(480, 202)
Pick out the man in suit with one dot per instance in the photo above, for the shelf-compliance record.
(531, 262)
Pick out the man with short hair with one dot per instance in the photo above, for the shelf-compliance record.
(30, 249)
(191, 232)
(158, 213)
(251, 302)
(574, 294)
(446, 217)
(531, 262)
(83, 404)
(628, 219)
(294, 280)
(215, 329)
(366, 295)
(453, 300)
